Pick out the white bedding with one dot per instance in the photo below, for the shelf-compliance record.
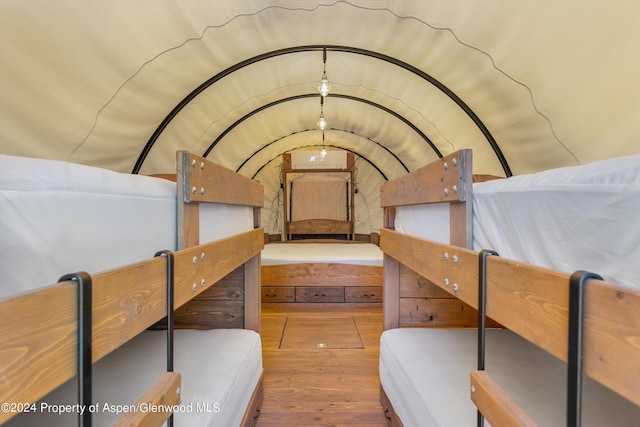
(339, 253)
(425, 373)
(220, 376)
(58, 217)
(577, 218)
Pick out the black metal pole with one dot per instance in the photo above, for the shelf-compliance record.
(84, 344)
(170, 322)
(482, 313)
(577, 284)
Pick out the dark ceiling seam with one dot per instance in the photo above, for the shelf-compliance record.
(304, 96)
(326, 145)
(470, 113)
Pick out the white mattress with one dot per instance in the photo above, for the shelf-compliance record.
(425, 373)
(220, 369)
(339, 253)
(58, 217)
(567, 219)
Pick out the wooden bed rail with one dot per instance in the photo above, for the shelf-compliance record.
(448, 180)
(534, 303)
(39, 328)
(39, 337)
(201, 181)
(156, 405)
(496, 405)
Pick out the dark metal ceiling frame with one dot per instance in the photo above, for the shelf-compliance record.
(348, 97)
(332, 145)
(326, 145)
(297, 49)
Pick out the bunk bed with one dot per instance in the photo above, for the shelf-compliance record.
(551, 323)
(87, 349)
(321, 261)
(319, 200)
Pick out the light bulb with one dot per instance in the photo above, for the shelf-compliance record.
(324, 87)
(322, 123)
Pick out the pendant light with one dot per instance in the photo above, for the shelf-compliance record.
(322, 123)
(324, 87)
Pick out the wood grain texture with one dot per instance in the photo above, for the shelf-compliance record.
(163, 395)
(320, 226)
(278, 294)
(39, 351)
(393, 420)
(533, 302)
(313, 332)
(321, 274)
(366, 294)
(437, 312)
(495, 404)
(319, 294)
(453, 269)
(252, 293)
(205, 181)
(199, 267)
(391, 292)
(433, 183)
(328, 387)
(254, 407)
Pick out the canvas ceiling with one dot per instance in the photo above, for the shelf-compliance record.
(538, 84)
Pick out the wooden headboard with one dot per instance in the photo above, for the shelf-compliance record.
(319, 226)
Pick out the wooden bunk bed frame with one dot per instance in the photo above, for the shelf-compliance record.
(590, 324)
(318, 226)
(46, 344)
(321, 283)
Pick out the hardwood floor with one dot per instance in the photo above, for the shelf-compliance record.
(321, 367)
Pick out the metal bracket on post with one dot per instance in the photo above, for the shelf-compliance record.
(84, 343)
(170, 322)
(482, 313)
(577, 284)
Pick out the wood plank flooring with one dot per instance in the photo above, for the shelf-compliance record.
(315, 385)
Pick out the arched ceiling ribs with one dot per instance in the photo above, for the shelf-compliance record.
(396, 115)
(347, 49)
(313, 95)
(326, 145)
(311, 145)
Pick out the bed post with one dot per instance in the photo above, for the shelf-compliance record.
(391, 289)
(461, 213)
(201, 181)
(188, 213)
(420, 302)
(252, 284)
(286, 165)
(351, 166)
(252, 294)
